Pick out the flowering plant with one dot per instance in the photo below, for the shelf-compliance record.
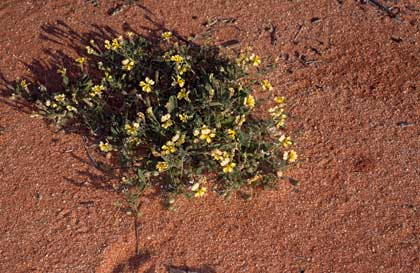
(174, 112)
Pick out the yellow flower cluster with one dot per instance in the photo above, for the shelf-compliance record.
(205, 133)
(147, 84)
(97, 90)
(225, 160)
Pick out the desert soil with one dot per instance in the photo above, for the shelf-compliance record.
(351, 75)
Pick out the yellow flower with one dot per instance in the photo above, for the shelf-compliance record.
(266, 85)
(291, 156)
(60, 97)
(217, 154)
(116, 43)
(207, 134)
(132, 129)
(167, 124)
(97, 90)
(183, 117)
(229, 168)
(165, 117)
(90, 50)
(167, 35)
(249, 101)
(239, 120)
(141, 116)
(183, 94)
(255, 59)
(177, 59)
(127, 64)
(71, 108)
(108, 76)
(178, 138)
(130, 34)
(200, 192)
(279, 100)
(166, 121)
(225, 160)
(107, 44)
(285, 141)
(231, 91)
(23, 84)
(134, 140)
(162, 166)
(105, 147)
(147, 85)
(281, 121)
(182, 69)
(255, 179)
(231, 133)
(168, 148)
(276, 111)
(80, 60)
(62, 71)
(178, 81)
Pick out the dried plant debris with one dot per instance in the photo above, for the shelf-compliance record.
(121, 7)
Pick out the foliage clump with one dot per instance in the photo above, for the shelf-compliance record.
(175, 113)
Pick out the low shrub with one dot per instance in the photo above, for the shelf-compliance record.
(178, 115)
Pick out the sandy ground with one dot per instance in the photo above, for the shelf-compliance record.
(351, 74)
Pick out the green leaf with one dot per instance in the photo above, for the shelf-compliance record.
(171, 104)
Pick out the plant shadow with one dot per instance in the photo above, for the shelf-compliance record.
(132, 263)
(67, 43)
(184, 269)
